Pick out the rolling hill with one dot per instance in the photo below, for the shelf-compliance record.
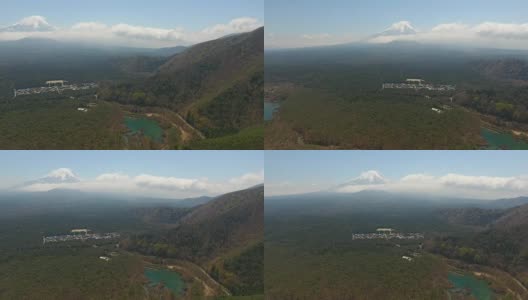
(224, 236)
(216, 85)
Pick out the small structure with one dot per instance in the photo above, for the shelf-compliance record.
(414, 81)
(407, 258)
(56, 82)
(105, 258)
(82, 109)
(83, 230)
(436, 110)
(384, 230)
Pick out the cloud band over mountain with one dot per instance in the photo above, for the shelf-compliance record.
(124, 34)
(484, 34)
(142, 184)
(452, 185)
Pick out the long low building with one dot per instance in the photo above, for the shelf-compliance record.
(55, 89)
(419, 86)
(80, 237)
(387, 236)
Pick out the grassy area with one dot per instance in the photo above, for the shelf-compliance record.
(247, 139)
(311, 118)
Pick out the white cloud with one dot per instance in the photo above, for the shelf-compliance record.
(484, 182)
(147, 33)
(237, 25)
(112, 177)
(144, 184)
(502, 30)
(486, 34)
(449, 27)
(125, 34)
(89, 26)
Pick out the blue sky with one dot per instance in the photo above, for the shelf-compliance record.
(367, 17)
(159, 23)
(314, 170)
(194, 14)
(221, 171)
(346, 20)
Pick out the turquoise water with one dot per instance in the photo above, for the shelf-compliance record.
(170, 279)
(269, 109)
(479, 288)
(148, 127)
(498, 140)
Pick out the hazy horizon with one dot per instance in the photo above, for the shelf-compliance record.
(139, 173)
(473, 23)
(167, 24)
(464, 174)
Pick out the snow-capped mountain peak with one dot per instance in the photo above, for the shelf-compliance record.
(400, 28)
(62, 175)
(368, 177)
(30, 24)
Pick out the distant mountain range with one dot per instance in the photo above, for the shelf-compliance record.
(332, 201)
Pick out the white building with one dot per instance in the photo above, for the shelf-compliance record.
(104, 258)
(385, 230)
(415, 81)
(407, 258)
(56, 82)
(437, 110)
(82, 109)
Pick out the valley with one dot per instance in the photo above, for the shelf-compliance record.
(205, 96)
(92, 266)
(314, 251)
(358, 96)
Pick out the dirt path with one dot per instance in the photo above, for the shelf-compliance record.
(211, 286)
(185, 128)
(198, 132)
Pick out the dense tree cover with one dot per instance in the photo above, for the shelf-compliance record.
(508, 103)
(383, 121)
(212, 232)
(315, 258)
(486, 82)
(31, 270)
(217, 86)
(53, 122)
(238, 107)
(491, 248)
(500, 246)
(251, 138)
(248, 269)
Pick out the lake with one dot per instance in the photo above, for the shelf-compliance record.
(479, 288)
(149, 128)
(170, 279)
(269, 109)
(500, 140)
